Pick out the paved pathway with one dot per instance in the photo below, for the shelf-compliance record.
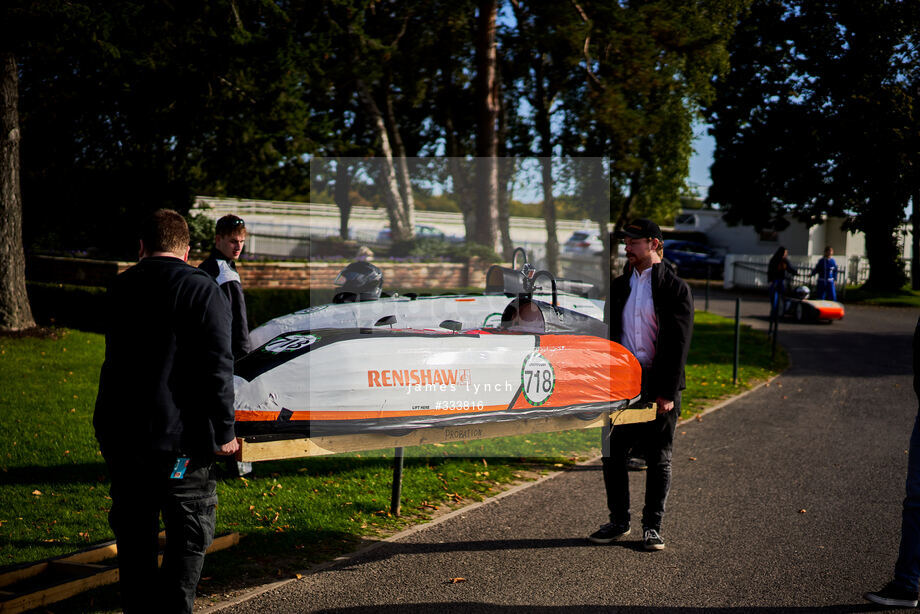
(786, 500)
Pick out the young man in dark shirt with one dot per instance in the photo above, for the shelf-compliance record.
(230, 236)
(164, 410)
(650, 311)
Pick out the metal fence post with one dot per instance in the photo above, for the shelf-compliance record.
(708, 275)
(775, 335)
(605, 436)
(737, 340)
(396, 497)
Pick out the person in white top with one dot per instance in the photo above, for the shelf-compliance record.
(649, 311)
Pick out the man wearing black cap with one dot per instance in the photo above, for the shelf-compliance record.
(649, 311)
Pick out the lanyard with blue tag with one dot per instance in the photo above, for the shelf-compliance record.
(178, 471)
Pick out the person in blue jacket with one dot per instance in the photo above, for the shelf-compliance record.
(826, 270)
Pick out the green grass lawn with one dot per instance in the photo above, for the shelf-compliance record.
(290, 513)
(904, 297)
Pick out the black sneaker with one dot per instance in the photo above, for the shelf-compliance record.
(609, 532)
(651, 540)
(893, 596)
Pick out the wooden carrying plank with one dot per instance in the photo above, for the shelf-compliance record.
(318, 446)
(58, 592)
(97, 553)
(95, 575)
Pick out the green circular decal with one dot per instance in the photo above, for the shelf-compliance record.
(538, 378)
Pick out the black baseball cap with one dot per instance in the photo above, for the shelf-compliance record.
(640, 229)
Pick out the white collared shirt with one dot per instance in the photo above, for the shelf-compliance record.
(640, 324)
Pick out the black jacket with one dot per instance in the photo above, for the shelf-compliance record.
(223, 270)
(917, 360)
(777, 268)
(167, 380)
(674, 307)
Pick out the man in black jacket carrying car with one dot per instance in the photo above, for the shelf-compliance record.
(650, 312)
(164, 410)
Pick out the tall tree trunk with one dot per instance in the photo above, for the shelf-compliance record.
(506, 167)
(400, 224)
(486, 137)
(456, 159)
(882, 251)
(549, 215)
(402, 167)
(914, 243)
(342, 200)
(460, 173)
(15, 313)
(546, 160)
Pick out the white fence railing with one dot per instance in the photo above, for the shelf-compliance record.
(750, 270)
(216, 207)
(285, 229)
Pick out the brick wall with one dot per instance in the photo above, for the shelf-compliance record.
(294, 275)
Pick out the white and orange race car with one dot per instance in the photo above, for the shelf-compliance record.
(543, 360)
(797, 305)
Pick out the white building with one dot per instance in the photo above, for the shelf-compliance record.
(752, 249)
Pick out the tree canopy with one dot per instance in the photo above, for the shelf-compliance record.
(138, 105)
(817, 117)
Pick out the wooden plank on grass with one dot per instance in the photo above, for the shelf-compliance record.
(99, 552)
(318, 446)
(77, 569)
(58, 592)
(95, 575)
(23, 573)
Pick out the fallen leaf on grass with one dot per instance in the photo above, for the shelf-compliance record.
(37, 493)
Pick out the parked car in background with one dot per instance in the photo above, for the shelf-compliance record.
(584, 242)
(421, 232)
(694, 260)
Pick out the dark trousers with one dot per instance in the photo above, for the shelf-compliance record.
(142, 490)
(655, 440)
(777, 288)
(826, 290)
(907, 568)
